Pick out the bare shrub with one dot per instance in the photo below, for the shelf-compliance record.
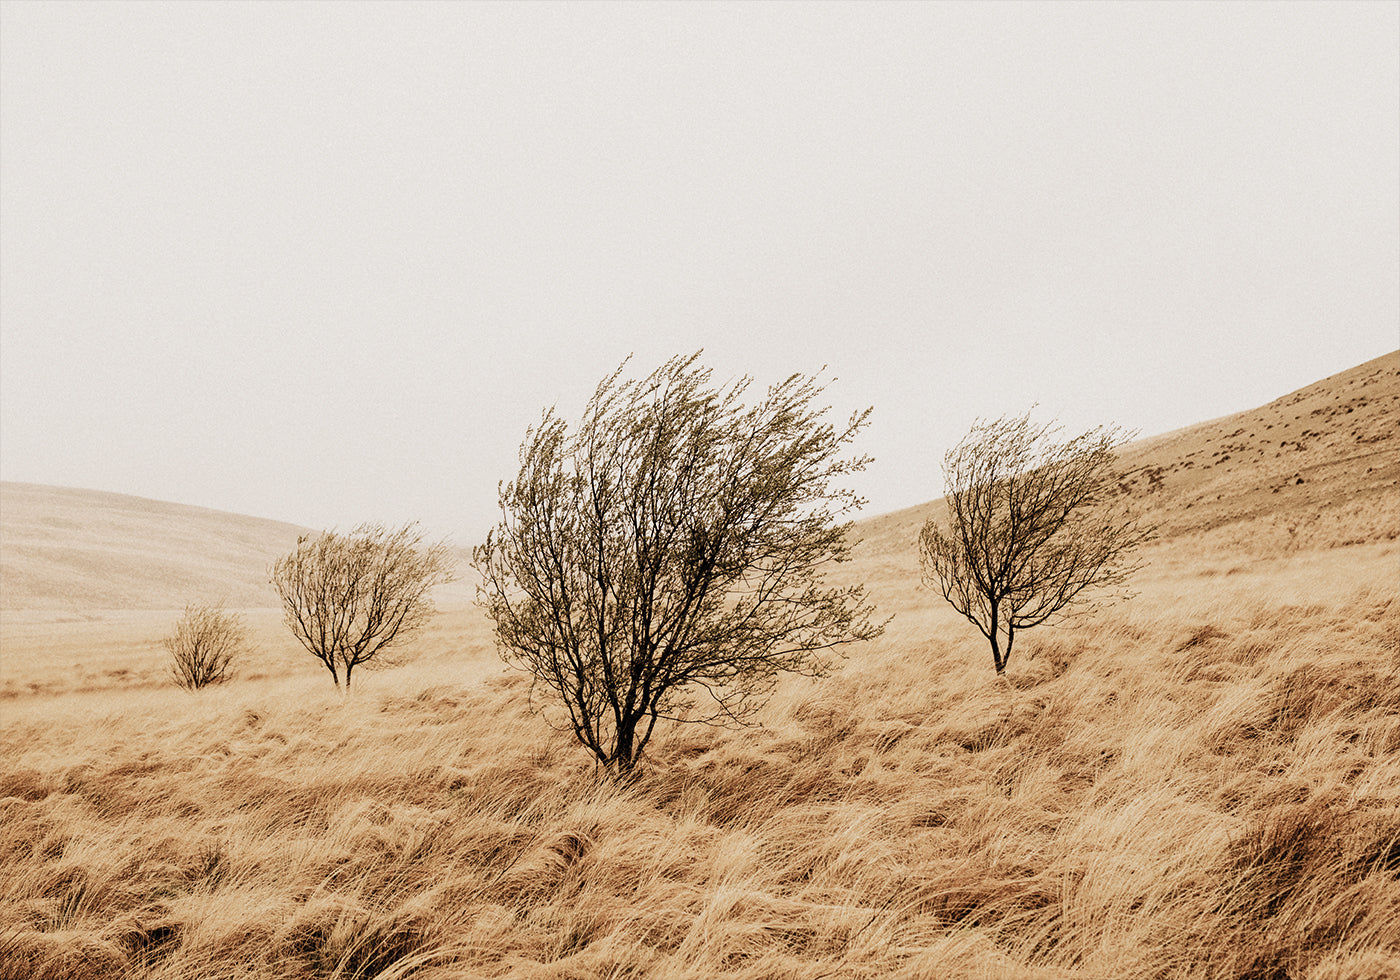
(666, 559)
(349, 597)
(1031, 526)
(204, 645)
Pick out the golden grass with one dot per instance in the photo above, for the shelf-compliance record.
(1200, 783)
(1203, 782)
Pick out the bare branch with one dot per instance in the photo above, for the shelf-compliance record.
(666, 558)
(347, 598)
(1032, 530)
(204, 645)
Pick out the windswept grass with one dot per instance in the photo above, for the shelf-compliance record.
(1202, 783)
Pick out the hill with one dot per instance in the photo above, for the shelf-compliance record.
(1312, 463)
(1318, 467)
(81, 551)
(1299, 461)
(1198, 783)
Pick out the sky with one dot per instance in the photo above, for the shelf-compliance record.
(327, 263)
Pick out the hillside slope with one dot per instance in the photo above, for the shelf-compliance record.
(80, 551)
(1195, 784)
(1317, 464)
(1332, 445)
(1318, 467)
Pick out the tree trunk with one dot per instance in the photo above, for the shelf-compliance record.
(622, 763)
(994, 635)
(624, 756)
(997, 658)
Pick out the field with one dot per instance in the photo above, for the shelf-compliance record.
(1203, 781)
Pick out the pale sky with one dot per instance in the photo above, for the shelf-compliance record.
(327, 262)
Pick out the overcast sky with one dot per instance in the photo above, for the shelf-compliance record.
(326, 263)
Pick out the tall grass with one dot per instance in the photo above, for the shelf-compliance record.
(1202, 783)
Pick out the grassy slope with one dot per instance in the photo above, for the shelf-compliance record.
(81, 552)
(90, 582)
(1199, 783)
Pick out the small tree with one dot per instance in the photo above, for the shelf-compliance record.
(1031, 527)
(666, 559)
(204, 645)
(347, 598)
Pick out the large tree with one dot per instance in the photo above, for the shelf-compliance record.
(349, 597)
(666, 558)
(1033, 527)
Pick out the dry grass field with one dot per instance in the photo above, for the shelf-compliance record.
(1203, 782)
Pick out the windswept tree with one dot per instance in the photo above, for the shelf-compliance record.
(204, 644)
(666, 559)
(1033, 527)
(349, 597)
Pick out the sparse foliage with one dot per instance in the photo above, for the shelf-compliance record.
(666, 558)
(204, 645)
(348, 597)
(1032, 527)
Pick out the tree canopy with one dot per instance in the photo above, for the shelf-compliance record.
(349, 597)
(665, 559)
(1032, 526)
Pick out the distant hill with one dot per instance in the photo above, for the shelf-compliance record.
(1319, 467)
(83, 550)
(1328, 448)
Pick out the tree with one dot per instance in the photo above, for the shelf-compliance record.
(204, 645)
(666, 560)
(347, 598)
(1031, 527)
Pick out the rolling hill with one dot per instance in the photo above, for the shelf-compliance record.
(1194, 784)
(1318, 467)
(1315, 464)
(81, 551)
